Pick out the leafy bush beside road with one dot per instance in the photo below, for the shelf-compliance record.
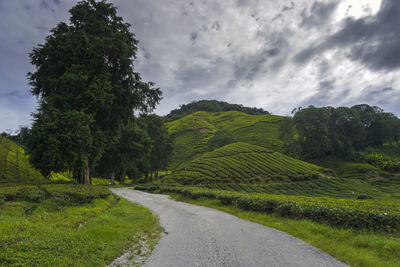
(374, 215)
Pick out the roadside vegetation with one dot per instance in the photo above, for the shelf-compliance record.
(354, 247)
(69, 225)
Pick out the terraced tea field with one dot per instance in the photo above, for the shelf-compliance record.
(245, 163)
(14, 164)
(334, 187)
(192, 132)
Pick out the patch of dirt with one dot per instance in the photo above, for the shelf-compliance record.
(134, 256)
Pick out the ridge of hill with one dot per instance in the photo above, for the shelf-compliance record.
(211, 106)
(14, 164)
(245, 163)
(193, 134)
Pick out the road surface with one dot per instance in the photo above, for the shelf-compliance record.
(200, 236)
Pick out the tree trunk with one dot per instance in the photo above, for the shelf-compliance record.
(151, 176)
(122, 181)
(86, 176)
(146, 176)
(113, 178)
(156, 175)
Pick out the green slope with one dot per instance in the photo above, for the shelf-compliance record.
(245, 163)
(14, 164)
(192, 133)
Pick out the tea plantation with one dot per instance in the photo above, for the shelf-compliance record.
(244, 163)
(191, 134)
(14, 164)
(375, 215)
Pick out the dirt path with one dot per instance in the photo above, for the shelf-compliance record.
(200, 236)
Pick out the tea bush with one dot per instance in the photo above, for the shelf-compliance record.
(375, 215)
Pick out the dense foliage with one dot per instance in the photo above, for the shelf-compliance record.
(360, 214)
(15, 166)
(87, 90)
(381, 161)
(341, 131)
(211, 106)
(160, 142)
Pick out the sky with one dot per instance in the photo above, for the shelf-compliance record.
(275, 55)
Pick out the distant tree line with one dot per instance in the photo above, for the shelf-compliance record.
(211, 106)
(88, 91)
(315, 132)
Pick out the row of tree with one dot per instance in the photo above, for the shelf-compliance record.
(88, 91)
(314, 132)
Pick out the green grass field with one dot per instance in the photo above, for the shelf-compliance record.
(244, 163)
(69, 225)
(14, 164)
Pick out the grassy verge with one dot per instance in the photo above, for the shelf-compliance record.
(353, 247)
(59, 230)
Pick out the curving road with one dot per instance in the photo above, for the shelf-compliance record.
(200, 236)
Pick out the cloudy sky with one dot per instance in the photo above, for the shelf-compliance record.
(276, 55)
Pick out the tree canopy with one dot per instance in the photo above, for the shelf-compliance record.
(211, 106)
(87, 89)
(314, 132)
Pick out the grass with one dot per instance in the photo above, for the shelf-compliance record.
(356, 248)
(245, 163)
(14, 164)
(65, 228)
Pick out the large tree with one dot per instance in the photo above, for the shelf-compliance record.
(161, 144)
(87, 89)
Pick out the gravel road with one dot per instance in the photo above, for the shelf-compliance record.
(200, 236)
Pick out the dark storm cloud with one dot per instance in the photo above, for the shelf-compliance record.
(240, 51)
(319, 14)
(373, 40)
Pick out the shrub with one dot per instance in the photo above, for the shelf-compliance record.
(366, 214)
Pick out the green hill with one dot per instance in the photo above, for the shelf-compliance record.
(245, 163)
(211, 106)
(192, 133)
(14, 164)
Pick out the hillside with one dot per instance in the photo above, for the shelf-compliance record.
(192, 133)
(14, 164)
(244, 163)
(211, 106)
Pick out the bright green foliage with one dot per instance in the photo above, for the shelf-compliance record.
(70, 225)
(381, 161)
(245, 163)
(334, 187)
(351, 170)
(14, 164)
(193, 133)
(376, 215)
(64, 193)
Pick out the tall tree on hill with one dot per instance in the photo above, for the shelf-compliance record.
(312, 126)
(87, 89)
(160, 140)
